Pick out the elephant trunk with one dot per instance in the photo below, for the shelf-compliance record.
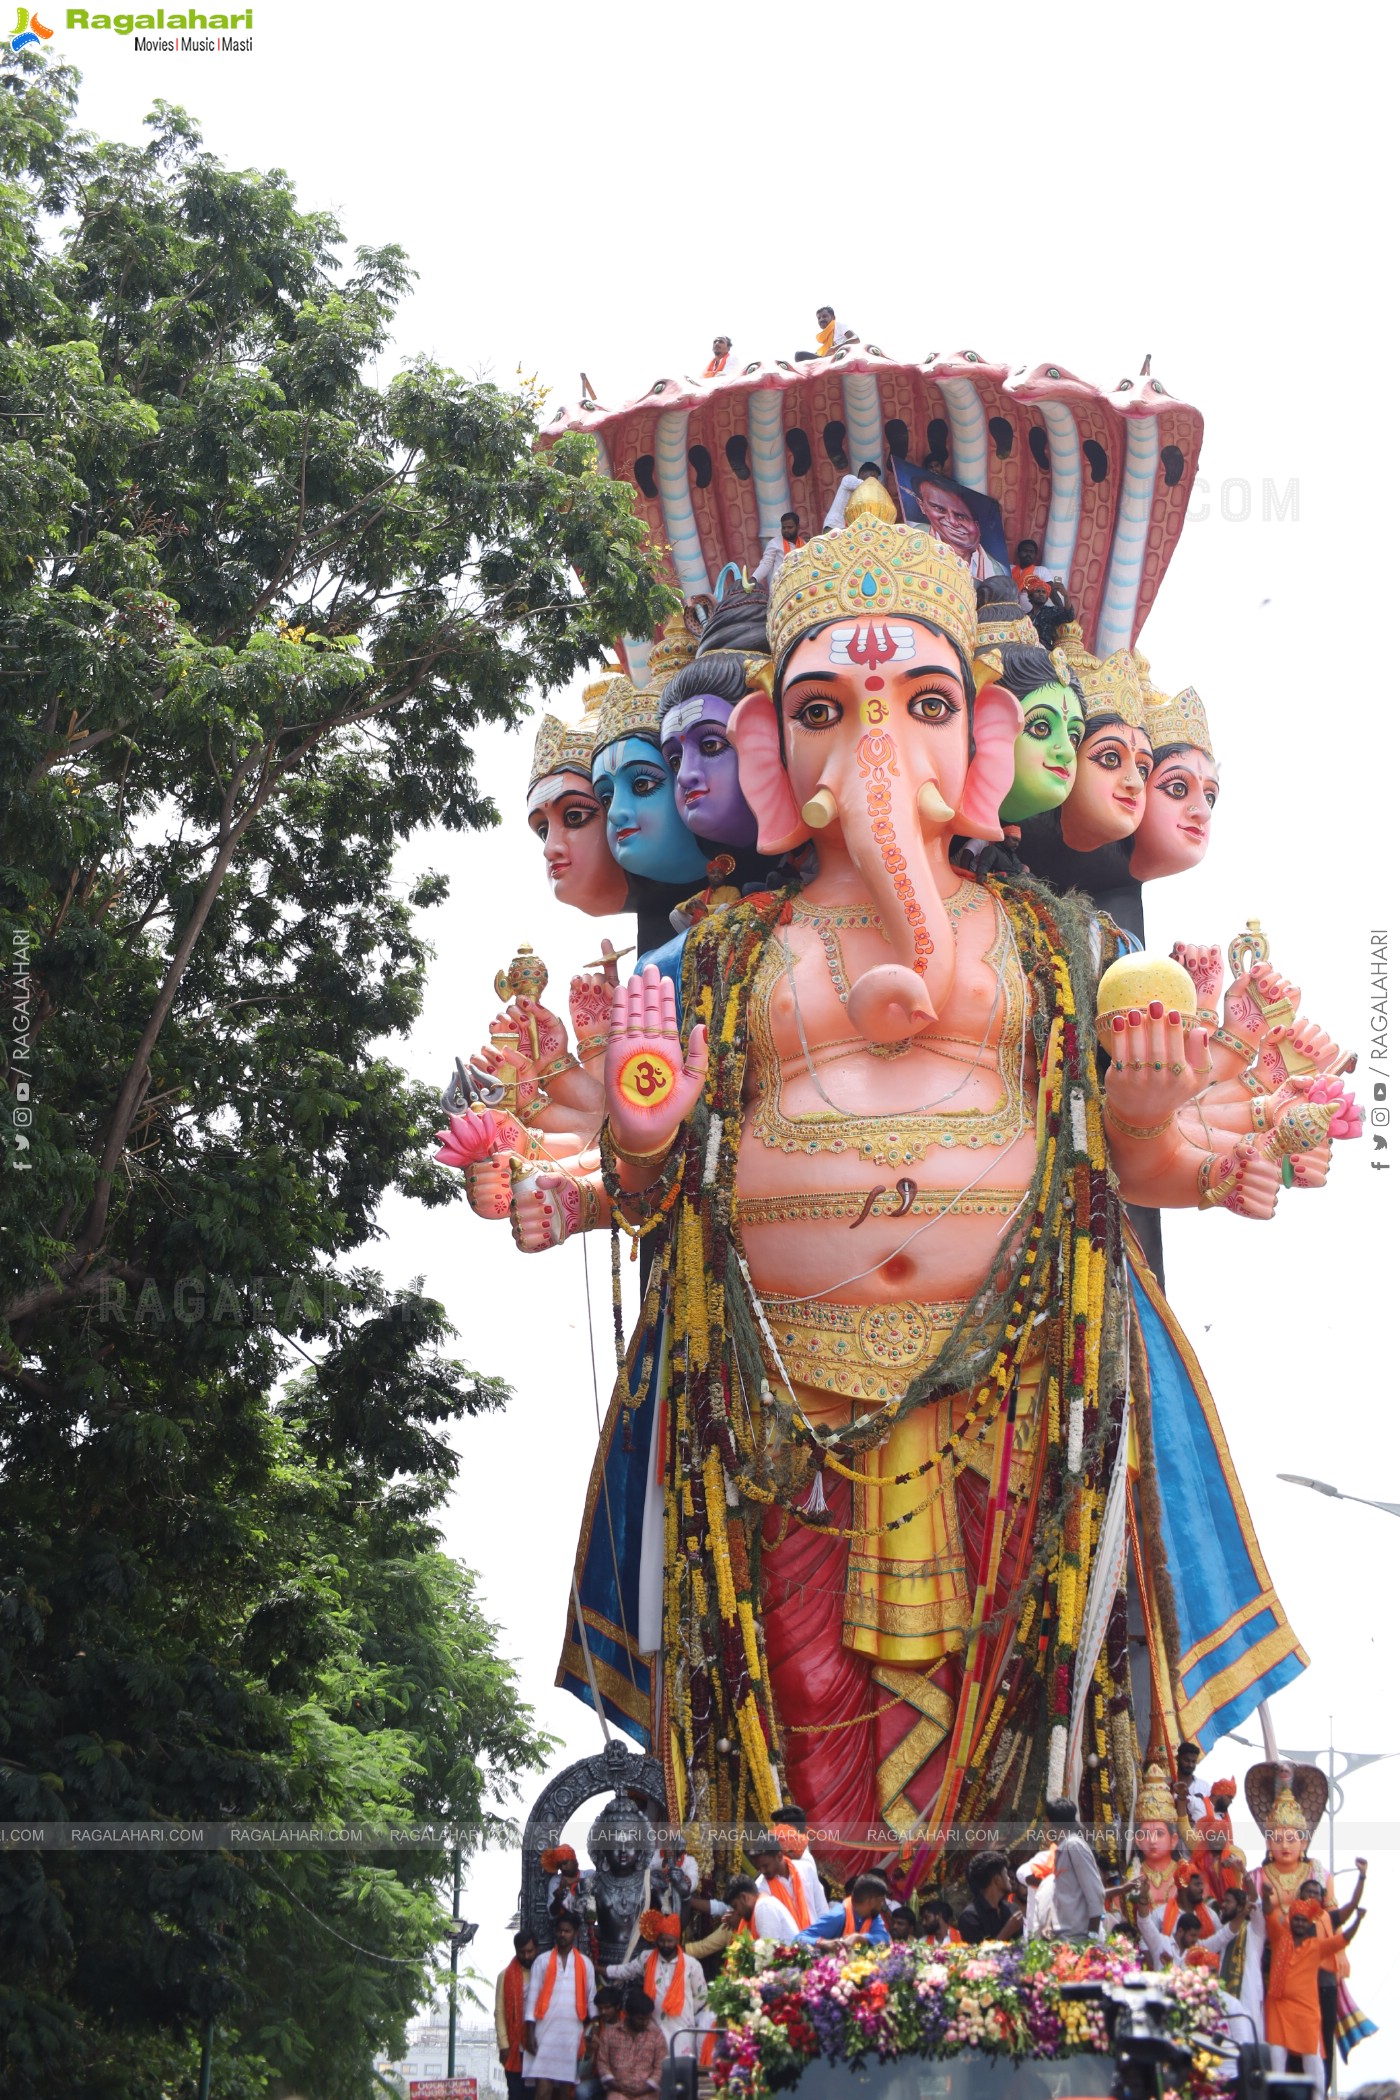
(880, 823)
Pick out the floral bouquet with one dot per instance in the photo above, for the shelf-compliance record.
(782, 2006)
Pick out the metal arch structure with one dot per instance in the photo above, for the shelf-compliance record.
(1099, 477)
(614, 1770)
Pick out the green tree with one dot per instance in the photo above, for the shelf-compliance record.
(253, 606)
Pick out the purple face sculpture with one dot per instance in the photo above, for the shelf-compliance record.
(706, 769)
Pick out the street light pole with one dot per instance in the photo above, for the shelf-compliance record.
(456, 1950)
(1324, 1487)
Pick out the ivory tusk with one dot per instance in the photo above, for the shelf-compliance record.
(821, 810)
(932, 805)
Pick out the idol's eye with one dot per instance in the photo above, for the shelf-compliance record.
(1175, 787)
(817, 714)
(541, 830)
(1212, 796)
(1109, 758)
(577, 815)
(933, 706)
(648, 783)
(713, 745)
(1039, 725)
(603, 789)
(673, 760)
(1144, 766)
(1076, 733)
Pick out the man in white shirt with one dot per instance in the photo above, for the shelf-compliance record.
(778, 1881)
(1174, 1951)
(836, 516)
(558, 2006)
(682, 2000)
(786, 540)
(790, 1827)
(761, 1915)
(1037, 1878)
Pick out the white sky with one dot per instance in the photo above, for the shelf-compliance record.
(607, 187)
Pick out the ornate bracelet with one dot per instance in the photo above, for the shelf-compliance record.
(1235, 1043)
(639, 1159)
(1205, 1017)
(567, 1063)
(1132, 1130)
(1259, 1112)
(591, 1046)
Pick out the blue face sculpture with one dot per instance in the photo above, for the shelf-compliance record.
(645, 829)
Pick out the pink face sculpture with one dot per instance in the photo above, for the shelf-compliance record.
(1155, 1841)
(1182, 791)
(567, 818)
(1286, 1846)
(1107, 797)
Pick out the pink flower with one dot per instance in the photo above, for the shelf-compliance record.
(1346, 1123)
(467, 1139)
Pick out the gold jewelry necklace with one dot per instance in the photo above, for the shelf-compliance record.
(827, 919)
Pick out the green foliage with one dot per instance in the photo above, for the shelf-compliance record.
(253, 606)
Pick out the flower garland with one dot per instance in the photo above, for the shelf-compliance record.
(782, 2007)
(733, 1449)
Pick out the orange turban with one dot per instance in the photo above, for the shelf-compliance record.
(654, 1925)
(793, 1842)
(1222, 1789)
(553, 1858)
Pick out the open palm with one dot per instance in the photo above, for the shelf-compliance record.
(651, 1088)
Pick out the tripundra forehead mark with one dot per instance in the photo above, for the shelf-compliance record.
(872, 642)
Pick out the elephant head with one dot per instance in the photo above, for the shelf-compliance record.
(879, 751)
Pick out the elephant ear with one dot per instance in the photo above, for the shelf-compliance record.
(996, 724)
(753, 731)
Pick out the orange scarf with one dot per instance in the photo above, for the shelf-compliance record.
(675, 1989)
(851, 1925)
(793, 1898)
(514, 1994)
(550, 1975)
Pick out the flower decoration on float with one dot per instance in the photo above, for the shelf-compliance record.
(782, 2007)
(870, 570)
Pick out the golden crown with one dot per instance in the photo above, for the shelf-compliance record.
(624, 711)
(1287, 1813)
(1071, 640)
(868, 571)
(1112, 688)
(1155, 1802)
(675, 649)
(1178, 720)
(561, 747)
(870, 499)
(997, 624)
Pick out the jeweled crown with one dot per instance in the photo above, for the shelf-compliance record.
(1112, 688)
(625, 711)
(675, 649)
(1287, 1813)
(871, 570)
(1155, 1801)
(1178, 720)
(561, 747)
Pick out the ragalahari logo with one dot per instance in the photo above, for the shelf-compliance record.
(28, 30)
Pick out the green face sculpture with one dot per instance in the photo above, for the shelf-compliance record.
(1045, 750)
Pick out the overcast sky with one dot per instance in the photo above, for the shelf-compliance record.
(605, 188)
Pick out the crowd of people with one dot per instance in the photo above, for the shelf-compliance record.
(563, 2022)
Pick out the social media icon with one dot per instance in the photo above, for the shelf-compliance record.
(1378, 1090)
(21, 1090)
(1380, 1115)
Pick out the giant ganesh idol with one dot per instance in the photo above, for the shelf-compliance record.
(905, 1419)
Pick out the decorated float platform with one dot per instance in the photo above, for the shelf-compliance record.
(917, 2021)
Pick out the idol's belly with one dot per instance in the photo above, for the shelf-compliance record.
(934, 1231)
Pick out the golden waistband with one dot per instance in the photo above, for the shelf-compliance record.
(868, 1352)
(821, 1204)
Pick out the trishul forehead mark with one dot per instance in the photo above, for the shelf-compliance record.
(872, 642)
